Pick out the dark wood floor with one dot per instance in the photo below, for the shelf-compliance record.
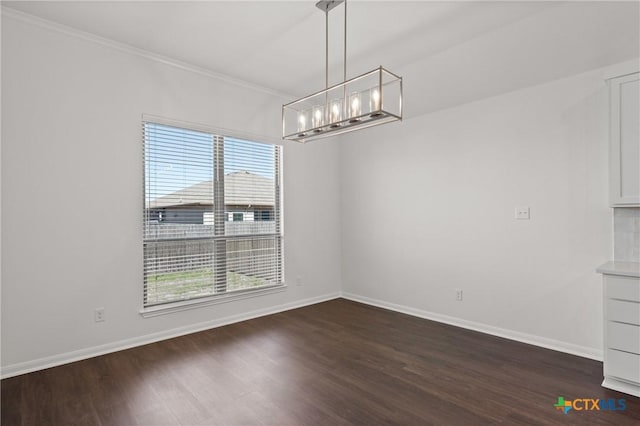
(333, 363)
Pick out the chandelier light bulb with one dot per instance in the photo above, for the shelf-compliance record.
(317, 121)
(303, 121)
(375, 99)
(356, 107)
(336, 112)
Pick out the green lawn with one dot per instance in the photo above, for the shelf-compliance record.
(189, 284)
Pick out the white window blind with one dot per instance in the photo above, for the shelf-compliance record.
(211, 215)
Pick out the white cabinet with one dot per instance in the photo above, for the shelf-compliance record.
(624, 155)
(621, 328)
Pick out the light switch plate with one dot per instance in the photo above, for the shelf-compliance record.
(522, 213)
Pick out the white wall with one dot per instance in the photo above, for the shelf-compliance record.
(428, 207)
(425, 206)
(72, 197)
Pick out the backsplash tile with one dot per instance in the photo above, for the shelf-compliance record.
(626, 234)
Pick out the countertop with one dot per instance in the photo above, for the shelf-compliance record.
(627, 269)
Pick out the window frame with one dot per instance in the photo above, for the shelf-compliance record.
(180, 305)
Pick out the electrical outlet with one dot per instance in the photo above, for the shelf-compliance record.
(299, 280)
(522, 213)
(98, 315)
(458, 295)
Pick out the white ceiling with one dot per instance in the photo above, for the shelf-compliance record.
(448, 52)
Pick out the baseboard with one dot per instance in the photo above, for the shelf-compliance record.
(621, 386)
(68, 357)
(65, 358)
(530, 339)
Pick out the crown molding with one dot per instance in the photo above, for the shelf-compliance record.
(624, 68)
(6, 11)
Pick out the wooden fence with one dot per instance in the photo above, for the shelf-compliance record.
(251, 248)
(160, 231)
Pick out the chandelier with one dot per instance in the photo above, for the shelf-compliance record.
(367, 100)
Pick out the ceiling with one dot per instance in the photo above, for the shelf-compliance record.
(448, 52)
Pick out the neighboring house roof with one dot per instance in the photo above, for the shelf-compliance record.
(240, 188)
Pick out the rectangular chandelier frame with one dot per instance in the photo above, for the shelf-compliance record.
(367, 100)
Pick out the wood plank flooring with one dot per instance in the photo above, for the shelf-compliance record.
(334, 363)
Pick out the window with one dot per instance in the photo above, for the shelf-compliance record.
(264, 215)
(192, 248)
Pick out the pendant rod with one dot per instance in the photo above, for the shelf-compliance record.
(345, 41)
(326, 47)
(345, 101)
(325, 110)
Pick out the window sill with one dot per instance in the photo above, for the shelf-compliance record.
(170, 308)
